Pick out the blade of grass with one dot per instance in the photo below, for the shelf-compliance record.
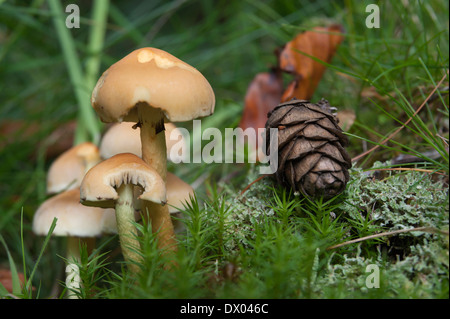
(356, 158)
(87, 121)
(16, 288)
(96, 41)
(95, 47)
(44, 245)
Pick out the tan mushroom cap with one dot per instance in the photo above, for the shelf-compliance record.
(157, 78)
(68, 169)
(178, 192)
(98, 187)
(123, 138)
(73, 219)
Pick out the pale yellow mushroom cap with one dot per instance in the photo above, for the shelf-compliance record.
(68, 169)
(157, 78)
(99, 185)
(123, 138)
(178, 192)
(73, 219)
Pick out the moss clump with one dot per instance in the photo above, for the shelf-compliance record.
(397, 200)
(245, 211)
(411, 264)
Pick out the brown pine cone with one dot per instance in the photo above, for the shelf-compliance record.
(311, 154)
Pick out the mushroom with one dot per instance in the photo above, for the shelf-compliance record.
(125, 138)
(68, 169)
(178, 192)
(110, 184)
(80, 224)
(149, 87)
(120, 138)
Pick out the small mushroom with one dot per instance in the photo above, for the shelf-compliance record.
(178, 193)
(110, 184)
(120, 138)
(125, 138)
(149, 87)
(68, 169)
(80, 224)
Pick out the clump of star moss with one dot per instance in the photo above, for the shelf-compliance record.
(412, 264)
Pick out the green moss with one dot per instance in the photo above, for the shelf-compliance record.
(244, 212)
(411, 264)
(414, 264)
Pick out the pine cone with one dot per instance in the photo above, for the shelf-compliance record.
(311, 154)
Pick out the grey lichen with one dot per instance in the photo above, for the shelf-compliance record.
(416, 262)
(245, 211)
(397, 200)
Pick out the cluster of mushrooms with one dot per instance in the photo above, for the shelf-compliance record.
(106, 189)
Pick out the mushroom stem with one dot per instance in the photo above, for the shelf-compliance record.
(126, 228)
(73, 279)
(161, 224)
(154, 153)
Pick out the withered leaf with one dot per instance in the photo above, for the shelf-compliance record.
(321, 43)
(263, 94)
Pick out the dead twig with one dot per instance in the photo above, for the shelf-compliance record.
(407, 169)
(426, 229)
(249, 185)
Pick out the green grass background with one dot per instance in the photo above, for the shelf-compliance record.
(46, 76)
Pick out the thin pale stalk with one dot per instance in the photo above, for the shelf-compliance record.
(73, 278)
(126, 228)
(154, 153)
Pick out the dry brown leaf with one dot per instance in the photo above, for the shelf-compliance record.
(60, 140)
(6, 279)
(267, 90)
(263, 94)
(322, 43)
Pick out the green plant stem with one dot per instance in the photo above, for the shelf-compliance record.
(96, 40)
(87, 121)
(126, 228)
(94, 49)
